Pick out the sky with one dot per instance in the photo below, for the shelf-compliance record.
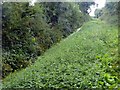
(32, 2)
(101, 4)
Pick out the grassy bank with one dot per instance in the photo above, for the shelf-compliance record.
(85, 59)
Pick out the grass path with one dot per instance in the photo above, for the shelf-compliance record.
(83, 60)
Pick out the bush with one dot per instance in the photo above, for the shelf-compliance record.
(28, 31)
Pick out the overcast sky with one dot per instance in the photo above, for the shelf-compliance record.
(101, 4)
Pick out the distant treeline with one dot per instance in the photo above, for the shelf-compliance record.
(28, 31)
(110, 13)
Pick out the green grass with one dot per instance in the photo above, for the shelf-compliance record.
(83, 60)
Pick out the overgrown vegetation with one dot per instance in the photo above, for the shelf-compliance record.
(109, 13)
(83, 60)
(28, 31)
(86, 59)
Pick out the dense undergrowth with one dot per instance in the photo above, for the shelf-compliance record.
(110, 13)
(28, 31)
(87, 59)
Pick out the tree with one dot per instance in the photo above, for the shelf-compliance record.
(84, 6)
(21, 28)
(110, 13)
(98, 13)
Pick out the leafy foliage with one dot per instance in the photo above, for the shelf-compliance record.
(83, 60)
(109, 13)
(98, 13)
(84, 6)
(28, 31)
